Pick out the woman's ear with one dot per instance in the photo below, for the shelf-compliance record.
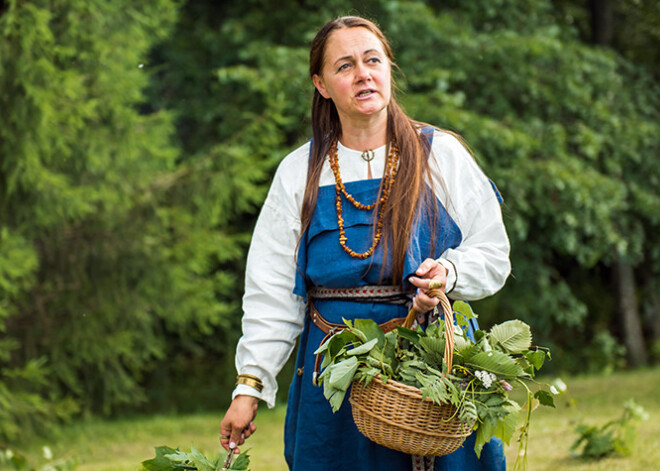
(320, 86)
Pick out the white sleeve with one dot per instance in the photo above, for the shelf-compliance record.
(272, 315)
(480, 265)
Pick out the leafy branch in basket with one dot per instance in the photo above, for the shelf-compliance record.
(169, 459)
(477, 384)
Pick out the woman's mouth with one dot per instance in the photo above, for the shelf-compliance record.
(365, 93)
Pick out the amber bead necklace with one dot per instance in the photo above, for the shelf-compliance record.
(340, 189)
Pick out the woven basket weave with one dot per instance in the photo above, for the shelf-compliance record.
(395, 416)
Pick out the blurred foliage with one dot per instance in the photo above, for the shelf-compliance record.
(84, 260)
(635, 33)
(138, 142)
(13, 459)
(616, 437)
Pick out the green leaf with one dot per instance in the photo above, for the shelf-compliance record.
(178, 457)
(544, 398)
(365, 374)
(462, 343)
(334, 344)
(468, 413)
(506, 427)
(339, 341)
(388, 353)
(433, 350)
(432, 345)
(195, 458)
(414, 363)
(341, 374)
(160, 462)
(466, 353)
(200, 461)
(526, 366)
(371, 330)
(357, 332)
(498, 363)
(485, 432)
(434, 387)
(463, 312)
(408, 334)
(323, 347)
(242, 463)
(536, 358)
(364, 348)
(512, 336)
(334, 396)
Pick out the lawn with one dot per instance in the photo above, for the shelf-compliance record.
(120, 445)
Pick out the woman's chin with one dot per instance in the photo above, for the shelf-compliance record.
(370, 110)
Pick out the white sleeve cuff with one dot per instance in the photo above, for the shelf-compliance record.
(452, 276)
(245, 390)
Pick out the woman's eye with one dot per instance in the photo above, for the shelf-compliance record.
(342, 67)
(374, 60)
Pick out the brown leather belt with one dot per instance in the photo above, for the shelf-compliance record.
(364, 294)
(330, 329)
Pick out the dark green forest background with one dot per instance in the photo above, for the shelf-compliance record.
(138, 139)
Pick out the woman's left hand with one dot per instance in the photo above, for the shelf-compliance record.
(428, 270)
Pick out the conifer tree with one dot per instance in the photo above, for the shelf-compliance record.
(82, 260)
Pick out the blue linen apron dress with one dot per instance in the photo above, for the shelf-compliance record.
(316, 439)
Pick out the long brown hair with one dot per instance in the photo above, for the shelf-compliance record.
(409, 193)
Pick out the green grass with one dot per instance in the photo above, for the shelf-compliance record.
(120, 445)
(595, 401)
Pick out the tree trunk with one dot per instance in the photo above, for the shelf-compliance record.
(602, 21)
(628, 310)
(653, 314)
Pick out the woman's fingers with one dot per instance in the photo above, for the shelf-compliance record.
(431, 274)
(426, 266)
(238, 424)
(421, 283)
(423, 302)
(249, 430)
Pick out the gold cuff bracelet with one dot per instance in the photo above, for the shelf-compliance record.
(250, 380)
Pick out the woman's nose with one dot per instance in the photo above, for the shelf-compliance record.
(362, 72)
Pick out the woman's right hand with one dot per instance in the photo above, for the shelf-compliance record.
(237, 424)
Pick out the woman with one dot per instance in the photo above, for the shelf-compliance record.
(375, 199)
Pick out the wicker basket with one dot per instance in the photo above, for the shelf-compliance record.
(395, 416)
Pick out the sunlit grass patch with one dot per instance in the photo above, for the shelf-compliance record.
(121, 445)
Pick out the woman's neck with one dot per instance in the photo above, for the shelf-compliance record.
(364, 135)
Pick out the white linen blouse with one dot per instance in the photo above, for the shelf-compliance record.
(273, 316)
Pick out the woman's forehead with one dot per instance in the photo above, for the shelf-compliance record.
(351, 41)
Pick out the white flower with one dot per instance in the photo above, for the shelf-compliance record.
(559, 386)
(9, 454)
(48, 454)
(485, 378)
(554, 391)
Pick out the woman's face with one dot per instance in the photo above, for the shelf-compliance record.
(356, 74)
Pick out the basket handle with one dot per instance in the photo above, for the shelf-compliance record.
(435, 291)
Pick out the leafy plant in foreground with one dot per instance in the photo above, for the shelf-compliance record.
(482, 373)
(15, 460)
(169, 459)
(615, 437)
